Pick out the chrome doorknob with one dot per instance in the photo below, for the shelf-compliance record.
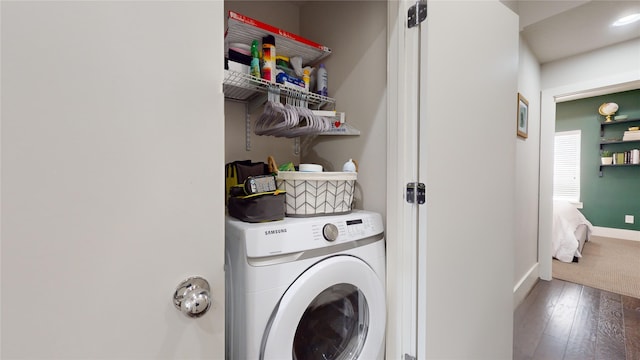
(192, 297)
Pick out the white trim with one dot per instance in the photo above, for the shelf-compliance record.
(616, 233)
(401, 159)
(524, 286)
(393, 230)
(615, 88)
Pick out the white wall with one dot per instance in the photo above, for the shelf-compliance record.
(593, 69)
(527, 166)
(357, 79)
(612, 69)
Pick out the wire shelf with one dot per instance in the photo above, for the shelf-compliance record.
(243, 29)
(244, 87)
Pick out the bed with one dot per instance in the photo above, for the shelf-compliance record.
(570, 231)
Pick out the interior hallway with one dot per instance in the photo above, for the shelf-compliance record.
(563, 320)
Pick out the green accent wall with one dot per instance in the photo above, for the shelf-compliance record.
(609, 198)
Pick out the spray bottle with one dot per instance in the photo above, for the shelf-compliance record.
(322, 81)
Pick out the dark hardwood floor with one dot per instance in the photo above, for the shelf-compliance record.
(561, 320)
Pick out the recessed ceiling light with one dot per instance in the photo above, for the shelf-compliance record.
(626, 20)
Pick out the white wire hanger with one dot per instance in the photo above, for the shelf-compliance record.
(292, 119)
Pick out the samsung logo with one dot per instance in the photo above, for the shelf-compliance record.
(275, 231)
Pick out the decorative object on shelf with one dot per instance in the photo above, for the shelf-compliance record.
(619, 158)
(606, 157)
(631, 135)
(635, 156)
(608, 109)
(523, 117)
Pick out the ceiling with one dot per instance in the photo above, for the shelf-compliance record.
(563, 28)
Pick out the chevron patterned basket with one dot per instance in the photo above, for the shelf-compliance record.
(317, 193)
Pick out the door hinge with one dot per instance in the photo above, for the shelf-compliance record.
(409, 357)
(416, 192)
(417, 13)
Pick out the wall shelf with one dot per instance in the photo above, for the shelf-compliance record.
(244, 87)
(243, 29)
(615, 122)
(254, 91)
(615, 166)
(619, 165)
(604, 143)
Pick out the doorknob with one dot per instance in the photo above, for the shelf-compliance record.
(192, 297)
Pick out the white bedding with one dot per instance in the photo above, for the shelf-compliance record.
(566, 219)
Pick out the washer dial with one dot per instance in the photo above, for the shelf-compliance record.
(330, 232)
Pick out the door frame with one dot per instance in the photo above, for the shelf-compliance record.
(402, 161)
(549, 99)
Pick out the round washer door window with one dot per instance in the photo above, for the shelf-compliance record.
(334, 310)
(334, 326)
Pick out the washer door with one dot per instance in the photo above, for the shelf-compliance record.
(334, 310)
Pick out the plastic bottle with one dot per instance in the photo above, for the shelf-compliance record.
(305, 78)
(269, 58)
(349, 166)
(323, 80)
(255, 59)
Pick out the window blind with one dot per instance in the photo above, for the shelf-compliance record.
(566, 166)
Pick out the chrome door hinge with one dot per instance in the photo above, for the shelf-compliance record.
(409, 357)
(416, 192)
(417, 13)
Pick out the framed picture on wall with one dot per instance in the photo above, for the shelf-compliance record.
(523, 117)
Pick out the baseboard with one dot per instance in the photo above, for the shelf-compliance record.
(616, 233)
(522, 288)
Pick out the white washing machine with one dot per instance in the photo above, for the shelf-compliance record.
(306, 288)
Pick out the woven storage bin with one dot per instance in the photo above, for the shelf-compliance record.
(317, 193)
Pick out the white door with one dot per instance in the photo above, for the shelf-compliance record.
(112, 188)
(468, 102)
(463, 150)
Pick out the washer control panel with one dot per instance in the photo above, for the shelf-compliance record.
(356, 227)
(301, 234)
(348, 229)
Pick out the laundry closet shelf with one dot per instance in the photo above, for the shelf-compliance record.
(244, 87)
(344, 129)
(243, 29)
